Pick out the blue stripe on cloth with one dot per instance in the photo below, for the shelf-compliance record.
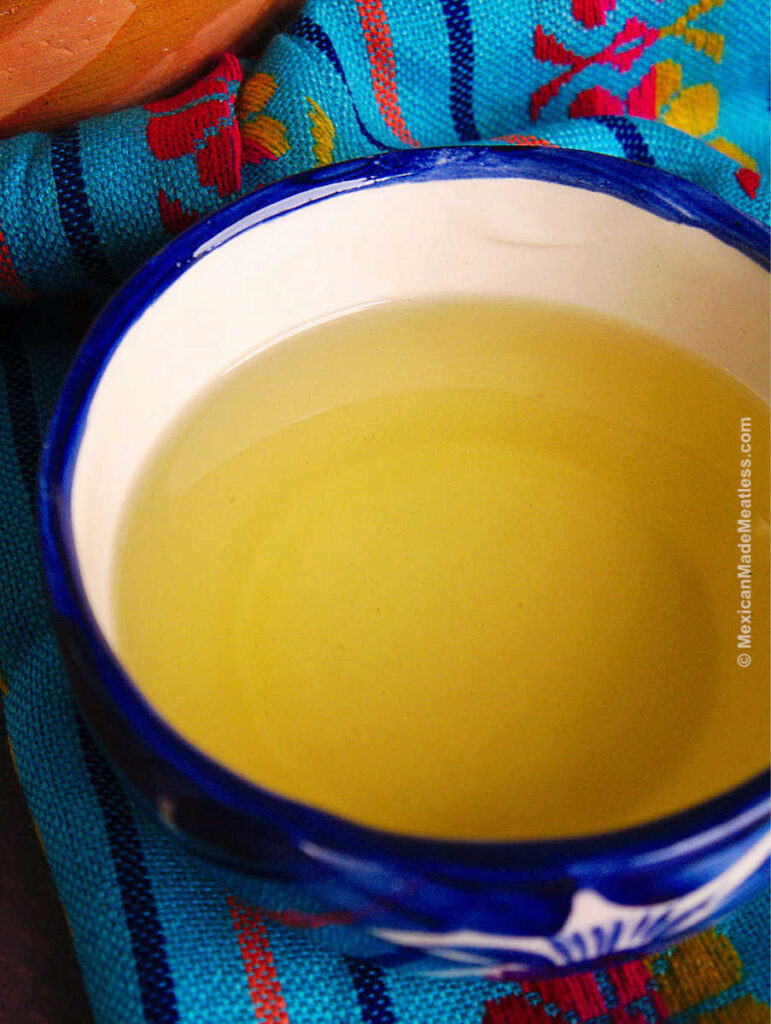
(148, 943)
(198, 931)
(374, 1001)
(458, 19)
(20, 398)
(74, 209)
(304, 28)
(630, 137)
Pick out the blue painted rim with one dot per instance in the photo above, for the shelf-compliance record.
(682, 835)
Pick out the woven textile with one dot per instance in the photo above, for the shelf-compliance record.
(681, 87)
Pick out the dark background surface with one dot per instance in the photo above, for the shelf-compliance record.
(40, 981)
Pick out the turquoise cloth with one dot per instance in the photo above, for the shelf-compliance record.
(682, 88)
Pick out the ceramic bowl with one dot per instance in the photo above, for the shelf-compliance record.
(611, 236)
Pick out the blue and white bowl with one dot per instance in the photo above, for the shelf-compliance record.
(610, 236)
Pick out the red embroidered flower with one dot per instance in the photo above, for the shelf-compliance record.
(626, 996)
(201, 121)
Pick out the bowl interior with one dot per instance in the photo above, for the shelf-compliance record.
(509, 237)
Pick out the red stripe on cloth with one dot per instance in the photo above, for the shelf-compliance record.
(383, 66)
(264, 986)
(299, 919)
(524, 140)
(10, 282)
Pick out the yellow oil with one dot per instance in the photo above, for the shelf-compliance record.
(459, 569)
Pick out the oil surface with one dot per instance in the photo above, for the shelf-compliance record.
(461, 569)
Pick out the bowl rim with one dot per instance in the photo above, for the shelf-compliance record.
(682, 834)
